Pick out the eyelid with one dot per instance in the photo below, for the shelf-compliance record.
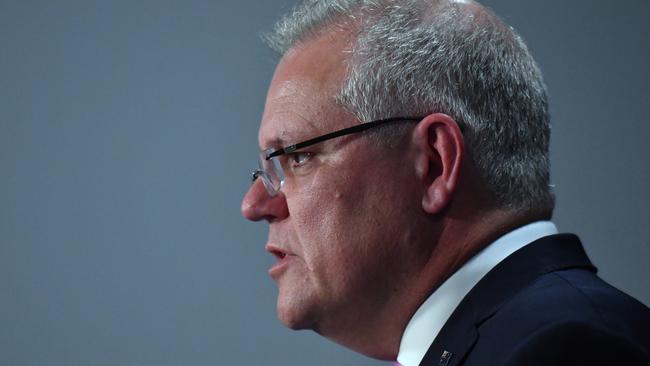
(303, 157)
(307, 153)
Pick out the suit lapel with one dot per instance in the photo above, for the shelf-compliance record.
(460, 332)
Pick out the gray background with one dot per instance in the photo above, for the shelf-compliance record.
(127, 133)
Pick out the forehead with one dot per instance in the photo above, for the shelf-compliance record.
(300, 102)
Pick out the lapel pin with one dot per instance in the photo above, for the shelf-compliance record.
(444, 358)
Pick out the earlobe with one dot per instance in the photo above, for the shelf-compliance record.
(436, 198)
(440, 155)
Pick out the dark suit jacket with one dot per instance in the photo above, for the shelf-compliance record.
(544, 305)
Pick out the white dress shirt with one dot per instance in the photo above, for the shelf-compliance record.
(427, 321)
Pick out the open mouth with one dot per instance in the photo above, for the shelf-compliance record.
(278, 253)
(283, 260)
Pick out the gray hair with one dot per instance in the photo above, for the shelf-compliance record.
(415, 57)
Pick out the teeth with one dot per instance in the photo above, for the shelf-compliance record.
(279, 254)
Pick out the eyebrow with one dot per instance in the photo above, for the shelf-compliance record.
(274, 143)
(288, 137)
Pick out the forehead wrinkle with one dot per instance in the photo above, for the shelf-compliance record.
(291, 133)
(289, 118)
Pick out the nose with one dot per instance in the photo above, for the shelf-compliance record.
(258, 204)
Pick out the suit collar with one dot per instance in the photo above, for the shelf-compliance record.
(433, 313)
(548, 254)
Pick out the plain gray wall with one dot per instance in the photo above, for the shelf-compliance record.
(127, 133)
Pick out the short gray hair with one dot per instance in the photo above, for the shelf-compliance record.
(415, 57)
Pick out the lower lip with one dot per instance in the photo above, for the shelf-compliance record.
(280, 266)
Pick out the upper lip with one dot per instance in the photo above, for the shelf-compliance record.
(277, 251)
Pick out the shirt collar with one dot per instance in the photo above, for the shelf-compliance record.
(427, 321)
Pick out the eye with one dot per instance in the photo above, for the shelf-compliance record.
(299, 158)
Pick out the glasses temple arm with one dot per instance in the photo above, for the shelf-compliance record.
(346, 131)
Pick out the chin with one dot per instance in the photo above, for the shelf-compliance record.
(294, 316)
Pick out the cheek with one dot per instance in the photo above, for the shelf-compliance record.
(323, 202)
(340, 234)
(344, 222)
(325, 217)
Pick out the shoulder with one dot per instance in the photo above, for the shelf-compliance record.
(577, 295)
(576, 343)
(569, 316)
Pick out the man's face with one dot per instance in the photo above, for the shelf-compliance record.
(343, 221)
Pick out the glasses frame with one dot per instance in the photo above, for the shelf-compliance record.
(268, 154)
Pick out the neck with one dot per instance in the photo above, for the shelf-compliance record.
(379, 337)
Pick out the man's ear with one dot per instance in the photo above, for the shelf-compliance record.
(440, 147)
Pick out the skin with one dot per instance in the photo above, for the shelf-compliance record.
(366, 233)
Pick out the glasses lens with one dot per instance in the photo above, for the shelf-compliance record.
(272, 176)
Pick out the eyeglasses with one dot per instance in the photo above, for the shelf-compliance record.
(270, 168)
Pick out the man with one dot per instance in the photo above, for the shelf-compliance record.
(404, 176)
